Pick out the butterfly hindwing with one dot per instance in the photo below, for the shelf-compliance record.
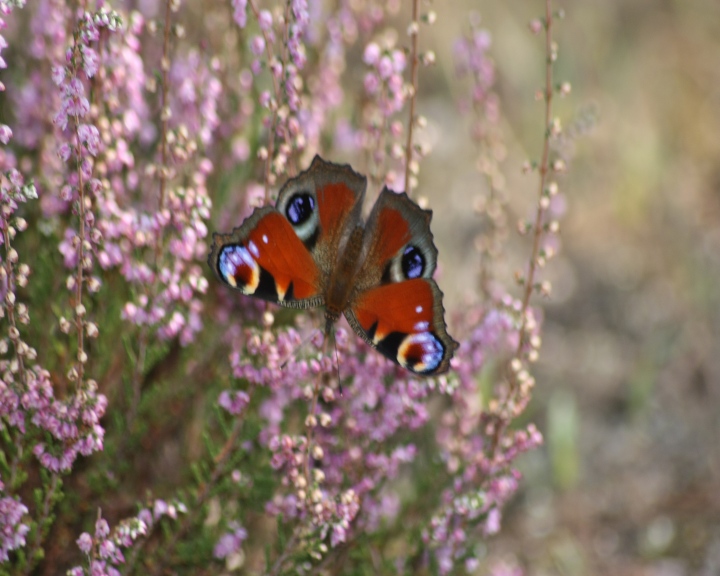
(404, 321)
(397, 306)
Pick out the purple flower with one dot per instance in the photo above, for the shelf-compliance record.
(230, 543)
(265, 20)
(85, 542)
(89, 135)
(234, 402)
(371, 54)
(101, 528)
(12, 530)
(240, 12)
(257, 45)
(5, 133)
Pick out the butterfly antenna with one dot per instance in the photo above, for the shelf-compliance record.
(337, 365)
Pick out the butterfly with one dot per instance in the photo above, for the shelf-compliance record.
(311, 249)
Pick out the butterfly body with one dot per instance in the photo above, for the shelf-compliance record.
(312, 249)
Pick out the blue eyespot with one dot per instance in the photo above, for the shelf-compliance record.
(300, 207)
(421, 352)
(413, 262)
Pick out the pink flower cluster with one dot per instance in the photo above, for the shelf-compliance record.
(12, 529)
(477, 451)
(25, 387)
(104, 549)
(156, 250)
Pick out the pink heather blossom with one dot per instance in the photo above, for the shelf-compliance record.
(234, 402)
(84, 542)
(5, 133)
(265, 20)
(371, 54)
(371, 83)
(385, 67)
(230, 542)
(257, 45)
(12, 530)
(240, 12)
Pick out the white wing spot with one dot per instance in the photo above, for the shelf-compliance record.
(265, 238)
(419, 309)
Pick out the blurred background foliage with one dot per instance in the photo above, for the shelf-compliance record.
(628, 393)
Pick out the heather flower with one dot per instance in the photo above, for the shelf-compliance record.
(84, 542)
(12, 529)
(235, 402)
(230, 542)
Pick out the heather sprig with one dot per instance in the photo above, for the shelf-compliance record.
(103, 549)
(474, 63)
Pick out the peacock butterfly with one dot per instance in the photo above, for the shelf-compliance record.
(312, 249)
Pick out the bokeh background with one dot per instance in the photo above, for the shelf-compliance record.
(628, 394)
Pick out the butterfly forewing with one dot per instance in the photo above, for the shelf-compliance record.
(265, 258)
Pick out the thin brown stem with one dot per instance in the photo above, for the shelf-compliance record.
(79, 317)
(543, 170)
(164, 108)
(413, 92)
(311, 416)
(504, 415)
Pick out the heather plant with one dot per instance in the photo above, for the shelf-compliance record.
(153, 422)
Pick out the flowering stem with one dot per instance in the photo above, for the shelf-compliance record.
(543, 170)
(273, 107)
(79, 308)
(515, 366)
(311, 421)
(47, 505)
(10, 303)
(163, 173)
(164, 110)
(414, 25)
(10, 307)
(220, 462)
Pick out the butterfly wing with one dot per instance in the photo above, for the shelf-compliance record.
(397, 306)
(285, 253)
(265, 258)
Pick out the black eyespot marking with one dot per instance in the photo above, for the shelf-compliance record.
(413, 262)
(300, 207)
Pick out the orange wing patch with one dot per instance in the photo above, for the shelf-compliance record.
(393, 233)
(335, 202)
(278, 250)
(406, 307)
